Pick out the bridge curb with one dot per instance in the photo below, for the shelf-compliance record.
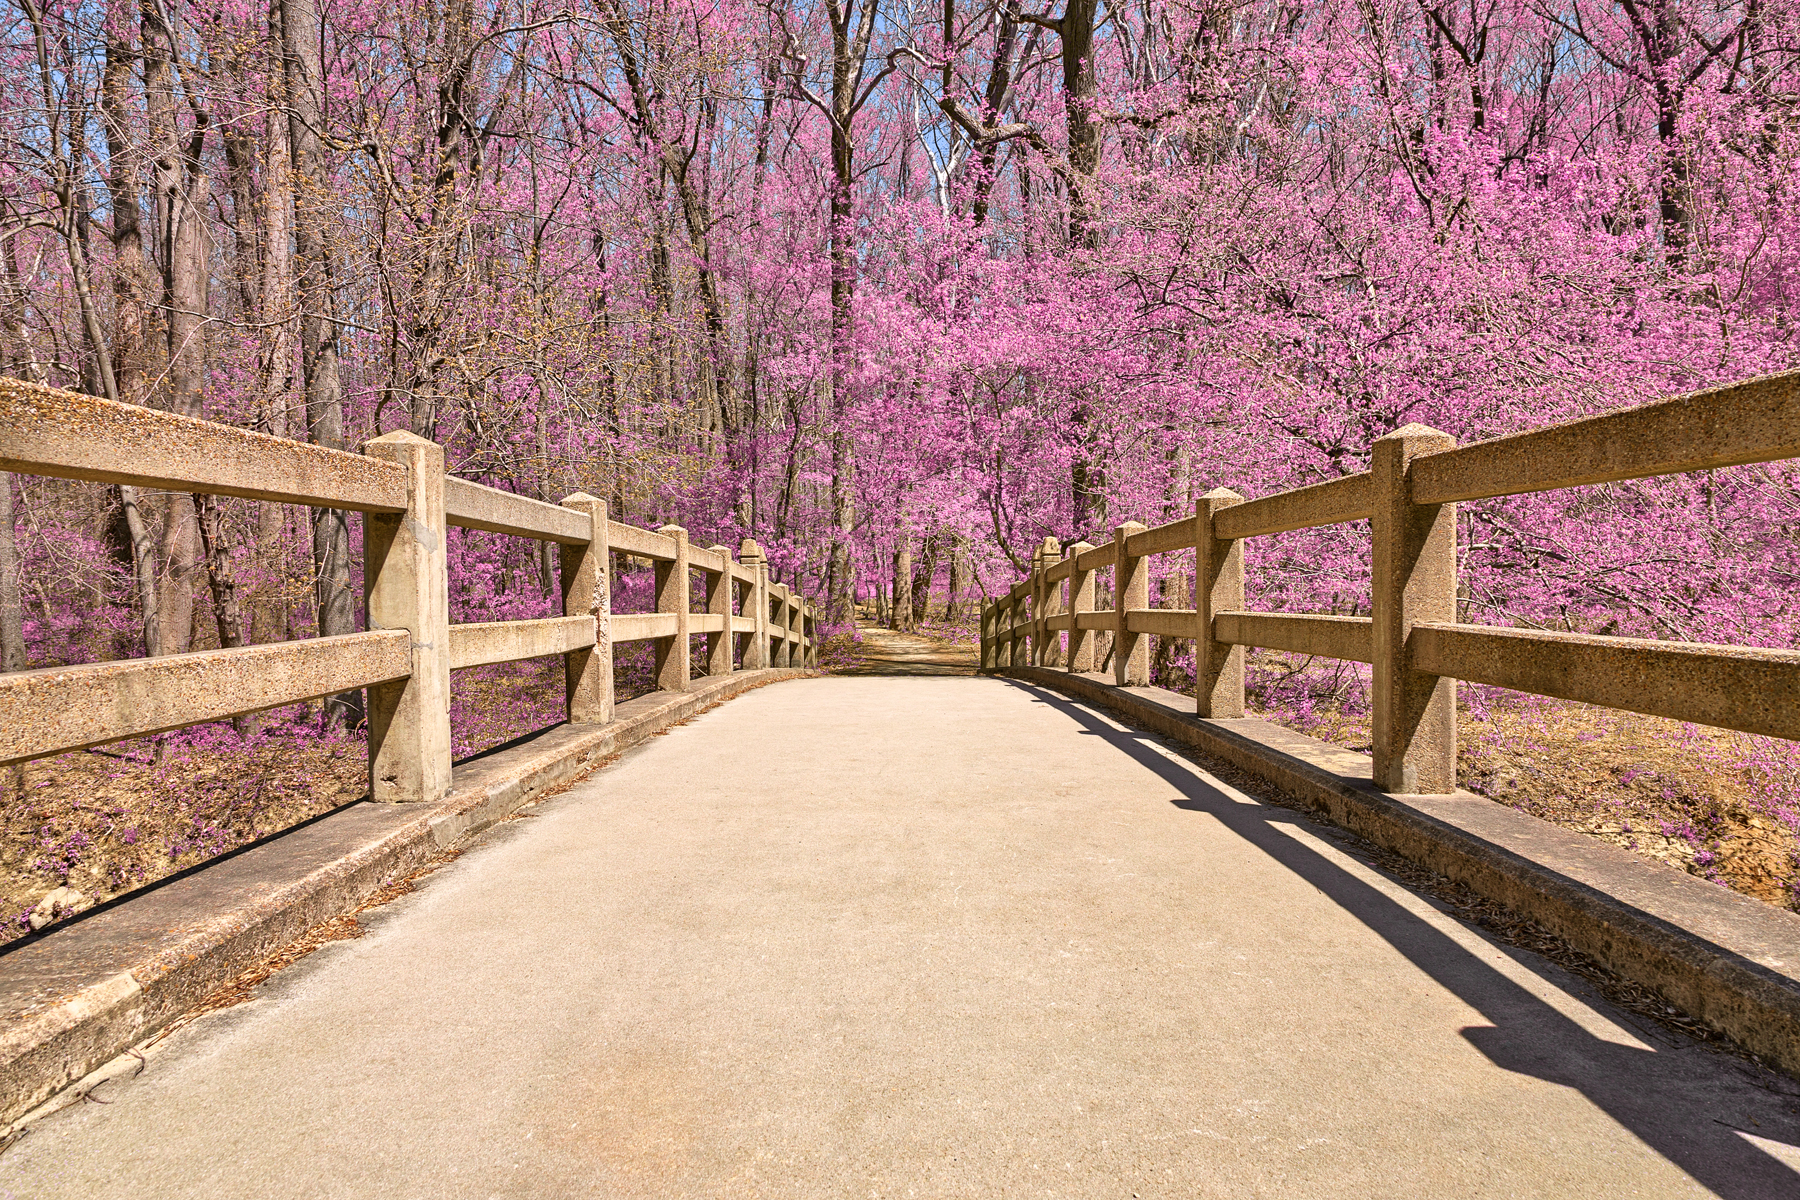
(88, 990)
(1730, 961)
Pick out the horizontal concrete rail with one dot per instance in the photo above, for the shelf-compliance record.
(640, 627)
(628, 539)
(1059, 571)
(1103, 619)
(44, 431)
(400, 482)
(478, 644)
(1754, 421)
(1099, 556)
(1164, 622)
(1733, 687)
(1176, 535)
(1330, 503)
(1308, 633)
(470, 505)
(65, 708)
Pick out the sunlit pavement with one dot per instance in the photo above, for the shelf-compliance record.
(918, 937)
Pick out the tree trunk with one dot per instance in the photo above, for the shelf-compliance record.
(275, 306)
(923, 575)
(333, 602)
(124, 185)
(16, 344)
(959, 554)
(1076, 30)
(848, 48)
(221, 579)
(12, 605)
(131, 351)
(182, 195)
(12, 615)
(903, 614)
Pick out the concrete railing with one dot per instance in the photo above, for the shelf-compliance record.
(405, 659)
(1413, 640)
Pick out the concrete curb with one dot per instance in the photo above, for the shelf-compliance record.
(1729, 960)
(85, 992)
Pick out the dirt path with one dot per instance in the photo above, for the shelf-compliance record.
(887, 652)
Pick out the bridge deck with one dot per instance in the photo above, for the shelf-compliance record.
(917, 936)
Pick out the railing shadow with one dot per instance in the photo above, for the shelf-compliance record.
(1645, 1091)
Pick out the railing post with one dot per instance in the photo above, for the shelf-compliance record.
(672, 590)
(801, 649)
(1022, 613)
(992, 655)
(996, 647)
(1081, 600)
(1014, 655)
(1049, 605)
(803, 617)
(406, 586)
(1131, 589)
(1003, 629)
(791, 622)
(1414, 581)
(756, 653)
(1034, 610)
(1218, 587)
(718, 602)
(586, 575)
(783, 652)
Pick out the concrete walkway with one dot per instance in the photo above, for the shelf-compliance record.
(917, 937)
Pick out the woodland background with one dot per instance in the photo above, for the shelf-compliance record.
(898, 289)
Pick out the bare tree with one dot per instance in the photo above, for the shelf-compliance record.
(852, 30)
(302, 48)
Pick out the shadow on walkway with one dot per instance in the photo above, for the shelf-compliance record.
(1668, 1098)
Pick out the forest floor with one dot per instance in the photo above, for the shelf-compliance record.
(110, 819)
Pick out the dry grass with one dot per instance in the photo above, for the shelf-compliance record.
(104, 822)
(1690, 796)
(107, 821)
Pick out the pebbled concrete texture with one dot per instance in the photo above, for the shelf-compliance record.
(918, 937)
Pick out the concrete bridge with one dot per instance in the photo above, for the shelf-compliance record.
(919, 936)
(922, 930)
